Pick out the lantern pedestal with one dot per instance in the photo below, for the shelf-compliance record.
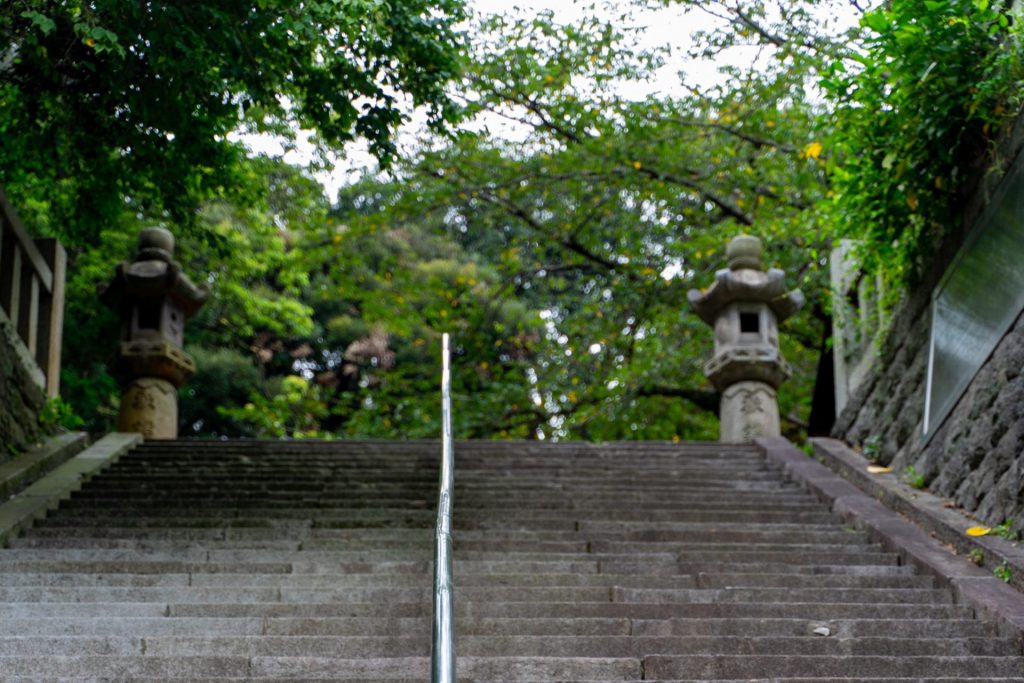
(748, 410)
(149, 406)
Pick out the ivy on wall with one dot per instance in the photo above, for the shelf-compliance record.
(919, 107)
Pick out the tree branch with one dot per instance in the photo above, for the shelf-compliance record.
(701, 398)
(746, 137)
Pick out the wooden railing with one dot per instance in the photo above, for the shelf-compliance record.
(32, 296)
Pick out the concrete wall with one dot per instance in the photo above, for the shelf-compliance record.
(976, 458)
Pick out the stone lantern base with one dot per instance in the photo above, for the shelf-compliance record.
(149, 406)
(748, 410)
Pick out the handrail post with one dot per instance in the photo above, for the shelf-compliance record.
(443, 650)
(51, 315)
(32, 297)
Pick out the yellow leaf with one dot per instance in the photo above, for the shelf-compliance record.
(978, 531)
(878, 469)
(813, 150)
(912, 201)
(637, 165)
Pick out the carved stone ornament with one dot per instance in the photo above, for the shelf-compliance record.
(748, 410)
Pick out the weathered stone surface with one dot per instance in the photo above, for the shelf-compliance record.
(976, 457)
(749, 410)
(149, 406)
(21, 397)
(153, 296)
(745, 305)
(311, 560)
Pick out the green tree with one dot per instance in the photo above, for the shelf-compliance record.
(108, 102)
(934, 84)
(613, 207)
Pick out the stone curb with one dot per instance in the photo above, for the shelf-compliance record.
(988, 596)
(923, 508)
(35, 501)
(23, 469)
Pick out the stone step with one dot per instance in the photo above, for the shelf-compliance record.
(697, 535)
(320, 668)
(658, 667)
(574, 563)
(763, 580)
(345, 595)
(494, 516)
(745, 480)
(800, 626)
(369, 579)
(461, 545)
(649, 559)
(805, 610)
(152, 566)
(505, 645)
(294, 679)
(908, 596)
(588, 507)
(304, 626)
(423, 474)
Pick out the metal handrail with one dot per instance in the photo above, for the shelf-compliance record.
(442, 656)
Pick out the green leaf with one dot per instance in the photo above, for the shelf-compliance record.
(877, 21)
(45, 24)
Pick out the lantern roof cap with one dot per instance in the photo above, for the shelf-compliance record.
(155, 244)
(745, 280)
(745, 251)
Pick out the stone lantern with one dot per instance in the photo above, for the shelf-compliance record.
(745, 305)
(153, 297)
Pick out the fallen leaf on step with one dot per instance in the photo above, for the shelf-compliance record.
(978, 531)
(823, 631)
(878, 469)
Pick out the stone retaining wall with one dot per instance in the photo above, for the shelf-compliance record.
(976, 458)
(21, 398)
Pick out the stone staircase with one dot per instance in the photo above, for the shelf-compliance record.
(574, 562)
